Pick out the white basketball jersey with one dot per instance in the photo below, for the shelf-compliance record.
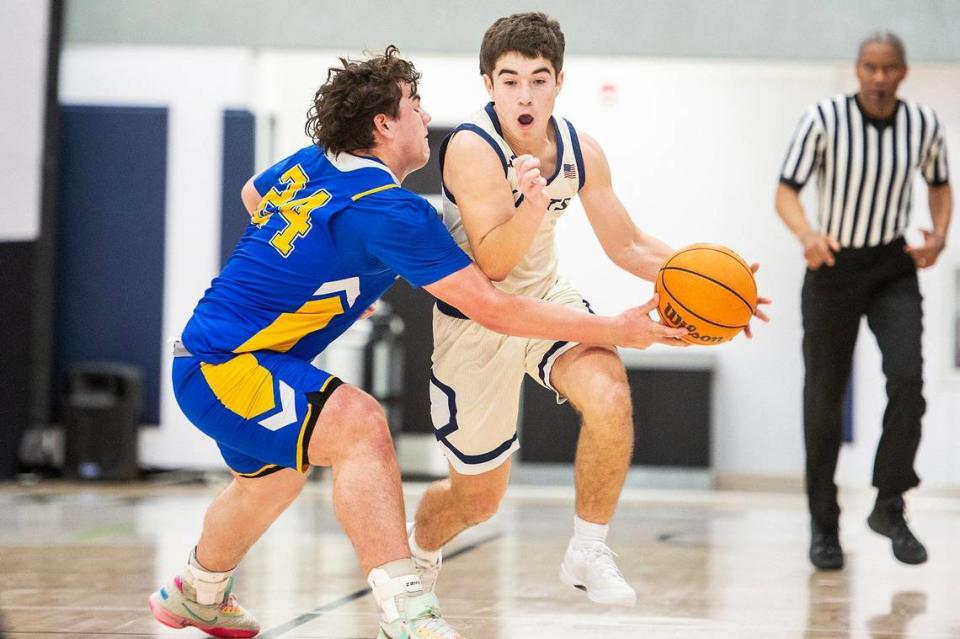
(537, 271)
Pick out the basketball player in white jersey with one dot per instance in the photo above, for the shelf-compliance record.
(477, 374)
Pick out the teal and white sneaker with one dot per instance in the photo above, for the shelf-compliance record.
(423, 620)
(175, 605)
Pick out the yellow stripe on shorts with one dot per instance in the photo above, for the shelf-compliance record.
(258, 472)
(301, 445)
(301, 466)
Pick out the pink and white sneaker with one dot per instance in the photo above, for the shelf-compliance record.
(175, 605)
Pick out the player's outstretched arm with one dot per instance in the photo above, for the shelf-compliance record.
(499, 232)
(624, 243)
(472, 293)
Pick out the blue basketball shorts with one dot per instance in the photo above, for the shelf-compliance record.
(260, 407)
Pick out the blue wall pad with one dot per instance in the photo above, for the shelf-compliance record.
(110, 241)
(238, 166)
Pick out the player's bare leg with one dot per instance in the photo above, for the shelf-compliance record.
(202, 596)
(352, 436)
(594, 380)
(447, 508)
(240, 515)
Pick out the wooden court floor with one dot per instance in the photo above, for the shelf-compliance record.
(80, 560)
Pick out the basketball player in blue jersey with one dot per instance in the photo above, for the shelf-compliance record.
(477, 374)
(331, 231)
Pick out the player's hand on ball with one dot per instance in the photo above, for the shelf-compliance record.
(757, 312)
(638, 330)
(532, 184)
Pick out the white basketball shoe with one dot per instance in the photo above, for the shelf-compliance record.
(590, 567)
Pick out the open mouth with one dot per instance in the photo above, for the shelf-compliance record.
(525, 120)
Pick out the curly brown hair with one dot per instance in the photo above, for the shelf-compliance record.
(341, 118)
(530, 34)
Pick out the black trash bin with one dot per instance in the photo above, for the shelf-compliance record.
(102, 406)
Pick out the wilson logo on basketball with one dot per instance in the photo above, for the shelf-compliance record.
(676, 320)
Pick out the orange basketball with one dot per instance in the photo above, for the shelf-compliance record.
(708, 289)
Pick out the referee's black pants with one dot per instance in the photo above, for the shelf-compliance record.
(881, 283)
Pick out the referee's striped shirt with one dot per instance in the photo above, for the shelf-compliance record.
(864, 167)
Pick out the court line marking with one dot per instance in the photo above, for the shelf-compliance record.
(319, 611)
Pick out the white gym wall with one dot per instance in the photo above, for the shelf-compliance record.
(695, 147)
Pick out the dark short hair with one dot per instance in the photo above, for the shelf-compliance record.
(884, 37)
(529, 34)
(341, 118)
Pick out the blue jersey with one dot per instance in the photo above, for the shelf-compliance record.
(330, 236)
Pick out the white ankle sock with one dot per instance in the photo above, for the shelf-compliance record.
(586, 532)
(430, 556)
(392, 580)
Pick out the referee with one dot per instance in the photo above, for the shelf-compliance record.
(863, 151)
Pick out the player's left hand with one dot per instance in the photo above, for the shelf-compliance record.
(926, 256)
(757, 312)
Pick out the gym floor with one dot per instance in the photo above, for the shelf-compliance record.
(79, 560)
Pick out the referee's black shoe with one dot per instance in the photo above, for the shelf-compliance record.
(887, 519)
(825, 550)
